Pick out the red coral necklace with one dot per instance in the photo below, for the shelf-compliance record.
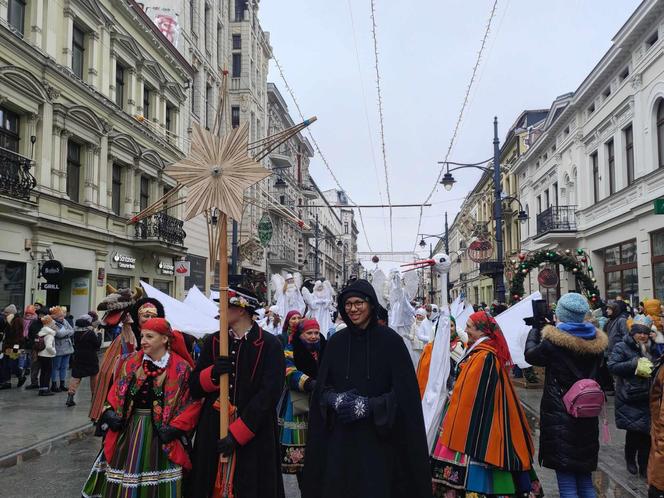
(152, 373)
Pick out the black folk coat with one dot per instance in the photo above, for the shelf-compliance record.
(566, 443)
(385, 455)
(632, 392)
(259, 381)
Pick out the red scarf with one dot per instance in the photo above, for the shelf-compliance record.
(490, 327)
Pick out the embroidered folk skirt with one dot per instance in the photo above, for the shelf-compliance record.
(292, 435)
(138, 469)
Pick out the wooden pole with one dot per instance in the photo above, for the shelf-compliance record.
(223, 322)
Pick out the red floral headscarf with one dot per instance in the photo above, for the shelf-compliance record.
(286, 330)
(490, 327)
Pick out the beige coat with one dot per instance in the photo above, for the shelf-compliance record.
(656, 462)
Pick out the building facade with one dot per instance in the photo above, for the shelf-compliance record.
(591, 178)
(92, 98)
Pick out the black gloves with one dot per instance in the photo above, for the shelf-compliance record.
(227, 445)
(168, 433)
(309, 385)
(111, 420)
(349, 406)
(353, 407)
(222, 365)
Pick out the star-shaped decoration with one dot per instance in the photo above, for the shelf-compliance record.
(217, 171)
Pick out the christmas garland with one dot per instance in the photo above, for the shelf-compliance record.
(576, 262)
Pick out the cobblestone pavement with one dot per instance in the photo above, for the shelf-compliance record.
(61, 473)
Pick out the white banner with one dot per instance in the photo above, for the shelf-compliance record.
(515, 330)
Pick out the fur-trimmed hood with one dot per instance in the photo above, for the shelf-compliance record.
(575, 344)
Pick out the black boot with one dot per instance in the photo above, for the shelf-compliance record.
(630, 459)
(54, 387)
(45, 392)
(642, 458)
(63, 388)
(70, 400)
(21, 381)
(653, 492)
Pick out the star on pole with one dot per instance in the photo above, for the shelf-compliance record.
(217, 171)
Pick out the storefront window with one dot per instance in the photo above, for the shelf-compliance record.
(12, 284)
(657, 240)
(620, 272)
(163, 285)
(197, 274)
(119, 281)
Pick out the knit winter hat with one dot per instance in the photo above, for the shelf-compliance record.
(83, 321)
(10, 310)
(572, 308)
(642, 320)
(638, 327)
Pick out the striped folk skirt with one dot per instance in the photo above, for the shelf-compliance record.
(138, 469)
(292, 436)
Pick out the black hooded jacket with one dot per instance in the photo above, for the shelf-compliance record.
(385, 455)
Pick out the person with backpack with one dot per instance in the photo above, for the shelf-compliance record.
(631, 362)
(571, 353)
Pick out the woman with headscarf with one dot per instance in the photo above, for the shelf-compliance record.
(293, 318)
(485, 446)
(631, 362)
(303, 355)
(147, 418)
(616, 327)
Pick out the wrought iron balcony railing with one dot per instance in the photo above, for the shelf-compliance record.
(161, 226)
(15, 178)
(557, 219)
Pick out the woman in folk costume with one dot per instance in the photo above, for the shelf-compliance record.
(485, 446)
(147, 417)
(303, 355)
(293, 318)
(117, 305)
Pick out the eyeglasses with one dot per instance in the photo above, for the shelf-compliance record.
(349, 305)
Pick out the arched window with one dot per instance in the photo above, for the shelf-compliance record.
(660, 132)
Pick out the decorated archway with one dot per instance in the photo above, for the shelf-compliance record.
(575, 261)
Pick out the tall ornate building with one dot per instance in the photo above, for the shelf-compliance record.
(93, 105)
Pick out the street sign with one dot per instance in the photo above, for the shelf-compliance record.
(49, 286)
(183, 268)
(659, 206)
(265, 230)
(52, 270)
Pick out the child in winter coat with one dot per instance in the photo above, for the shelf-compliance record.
(47, 354)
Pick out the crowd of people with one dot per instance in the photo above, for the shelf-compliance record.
(327, 391)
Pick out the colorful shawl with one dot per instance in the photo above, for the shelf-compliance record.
(116, 352)
(178, 409)
(485, 419)
(487, 324)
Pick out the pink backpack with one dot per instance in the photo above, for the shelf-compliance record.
(585, 399)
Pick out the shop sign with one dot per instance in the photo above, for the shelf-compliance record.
(659, 206)
(52, 270)
(183, 268)
(123, 261)
(49, 286)
(265, 229)
(166, 269)
(101, 275)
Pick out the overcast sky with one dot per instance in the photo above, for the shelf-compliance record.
(536, 51)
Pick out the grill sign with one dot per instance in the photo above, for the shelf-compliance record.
(52, 270)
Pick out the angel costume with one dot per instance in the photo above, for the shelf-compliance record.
(320, 304)
(401, 314)
(287, 292)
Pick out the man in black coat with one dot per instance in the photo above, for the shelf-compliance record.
(256, 367)
(366, 431)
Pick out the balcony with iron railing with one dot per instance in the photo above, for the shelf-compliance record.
(282, 255)
(556, 224)
(16, 181)
(161, 227)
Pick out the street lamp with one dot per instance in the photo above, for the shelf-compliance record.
(448, 182)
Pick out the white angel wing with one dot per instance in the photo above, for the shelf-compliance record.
(297, 276)
(329, 290)
(378, 282)
(308, 297)
(411, 282)
(277, 282)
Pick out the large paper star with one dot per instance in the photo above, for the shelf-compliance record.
(217, 171)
